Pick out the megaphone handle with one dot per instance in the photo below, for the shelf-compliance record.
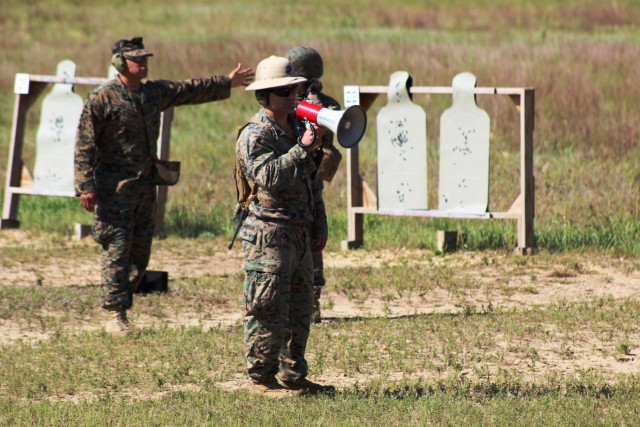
(308, 125)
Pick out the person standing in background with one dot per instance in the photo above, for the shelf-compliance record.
(115, 173)
(308, 64)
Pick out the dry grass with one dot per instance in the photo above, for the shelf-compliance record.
(412, 338)
(579, 57)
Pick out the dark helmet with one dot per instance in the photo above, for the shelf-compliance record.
(307, 62)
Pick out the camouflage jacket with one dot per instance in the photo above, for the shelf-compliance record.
(283, 172)
(116, 142)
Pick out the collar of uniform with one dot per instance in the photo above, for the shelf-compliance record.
(264, 118)
(120, 83)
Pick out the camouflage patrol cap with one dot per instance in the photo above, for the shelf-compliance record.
(307, 61)
(133, 48)
(275, 71)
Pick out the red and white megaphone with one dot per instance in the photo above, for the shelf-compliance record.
(348, 125)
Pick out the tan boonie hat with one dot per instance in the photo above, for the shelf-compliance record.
(275, 71)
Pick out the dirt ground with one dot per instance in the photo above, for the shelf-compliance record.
(544, 280)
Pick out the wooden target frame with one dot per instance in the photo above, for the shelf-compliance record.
(28, 88)
(361, 200)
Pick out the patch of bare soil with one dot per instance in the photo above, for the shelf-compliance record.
(500, 282)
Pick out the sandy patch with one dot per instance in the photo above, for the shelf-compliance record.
(498, 282)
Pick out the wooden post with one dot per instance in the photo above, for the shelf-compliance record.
(81, 231)
(447, 241)
(14, 168)
(164, 145)
(526, 244)
(355, 189)
(355, 221)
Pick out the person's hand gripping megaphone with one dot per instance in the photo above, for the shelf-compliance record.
(348, 125)
(312, 137)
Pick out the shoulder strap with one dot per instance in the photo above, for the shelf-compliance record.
(254, 188)
(252, 195)
(252, 121)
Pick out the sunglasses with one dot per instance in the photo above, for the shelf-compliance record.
(284, 92)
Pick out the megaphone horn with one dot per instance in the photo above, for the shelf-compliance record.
(348, 125)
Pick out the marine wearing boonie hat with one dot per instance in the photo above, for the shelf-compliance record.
(275, 71)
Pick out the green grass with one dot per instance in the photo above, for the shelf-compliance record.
(617, 233)
(57, 214)
(171, 376)
(411, 406)
(476, 364)
(573, 54)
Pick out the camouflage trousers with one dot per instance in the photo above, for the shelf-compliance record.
(318, 274)
(278, 296)
(125, 231)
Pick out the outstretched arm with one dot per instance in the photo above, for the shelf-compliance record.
(241, 76)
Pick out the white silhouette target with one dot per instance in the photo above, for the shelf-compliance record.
(402, 149)
(55, 140)
(464, 151)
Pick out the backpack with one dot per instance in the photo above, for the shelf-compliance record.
(245, 193)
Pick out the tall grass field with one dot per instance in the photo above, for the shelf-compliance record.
(580, 58)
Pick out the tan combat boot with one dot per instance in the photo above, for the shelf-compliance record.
(118, 325)
(273, 390)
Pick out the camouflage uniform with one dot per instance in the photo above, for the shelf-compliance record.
(286, 214)
(308, 63)
(327, 144)
(114, 157)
